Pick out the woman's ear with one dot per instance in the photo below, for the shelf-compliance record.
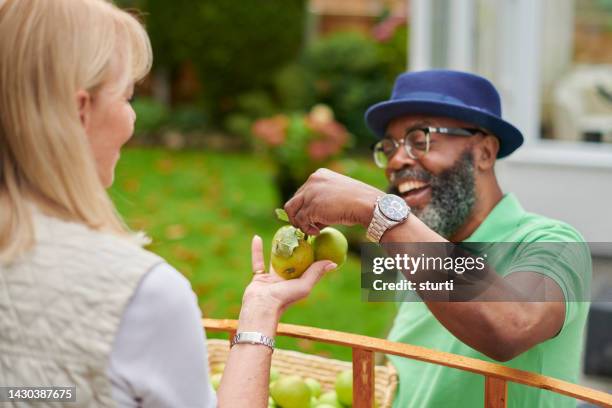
(84, 106)
(487, 152)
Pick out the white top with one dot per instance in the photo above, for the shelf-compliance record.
(159, 357)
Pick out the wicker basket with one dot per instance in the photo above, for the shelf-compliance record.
(321, 369)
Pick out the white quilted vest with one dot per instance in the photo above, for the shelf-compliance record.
(60, 309)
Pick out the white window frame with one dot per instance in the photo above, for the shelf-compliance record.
(571, 181)
(516, 70)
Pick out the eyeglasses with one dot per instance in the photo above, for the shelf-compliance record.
(416, 141)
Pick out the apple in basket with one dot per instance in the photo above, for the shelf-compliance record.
(217, 368)
(291, 392)
(314, 385)
(344, 387)
(215, 380)
(330, 398)
(274, 374)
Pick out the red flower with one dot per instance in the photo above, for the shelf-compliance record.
(330, 137)
(271, 130)
(384, 30)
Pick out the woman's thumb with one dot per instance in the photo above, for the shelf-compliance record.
(317, 269)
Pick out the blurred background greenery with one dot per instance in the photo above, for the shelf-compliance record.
(202, 177)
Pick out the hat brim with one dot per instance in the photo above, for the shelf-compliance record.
(378, 117)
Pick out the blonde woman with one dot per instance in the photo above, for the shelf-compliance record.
(81, 303)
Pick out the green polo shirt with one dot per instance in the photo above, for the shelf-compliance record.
(430, 385)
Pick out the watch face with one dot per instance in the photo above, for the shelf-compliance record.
(393, 207)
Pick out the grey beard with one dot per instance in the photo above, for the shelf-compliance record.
(453, 194)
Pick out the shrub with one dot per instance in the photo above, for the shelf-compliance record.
(151, 115)
(350, 76)
(236, 46)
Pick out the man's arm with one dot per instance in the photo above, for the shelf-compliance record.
(499, 329)
(505, 325)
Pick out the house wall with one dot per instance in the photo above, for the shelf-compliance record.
(570, 182)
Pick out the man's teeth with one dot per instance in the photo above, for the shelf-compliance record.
(407, 186)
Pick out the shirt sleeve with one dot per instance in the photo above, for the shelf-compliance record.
(159, 357)
(561, 254)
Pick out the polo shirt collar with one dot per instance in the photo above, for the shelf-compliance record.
(500, 222)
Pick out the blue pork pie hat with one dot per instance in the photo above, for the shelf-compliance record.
(453, 94)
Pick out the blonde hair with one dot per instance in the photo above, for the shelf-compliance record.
(50, 49)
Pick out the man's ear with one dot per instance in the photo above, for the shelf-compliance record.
(84, 106)
(487, 152)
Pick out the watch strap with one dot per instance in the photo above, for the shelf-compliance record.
(252, 338)
(379, 225)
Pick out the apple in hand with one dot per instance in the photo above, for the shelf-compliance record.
(292, 254)
(330, 245)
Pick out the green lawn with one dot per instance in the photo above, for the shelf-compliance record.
(202, 208)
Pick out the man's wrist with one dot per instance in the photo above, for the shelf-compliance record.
(367, 205)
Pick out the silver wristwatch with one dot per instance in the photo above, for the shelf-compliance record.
(390, 210)
(252, 338)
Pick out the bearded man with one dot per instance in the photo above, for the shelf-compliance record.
(440, 135)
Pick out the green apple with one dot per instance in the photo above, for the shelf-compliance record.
(314, 385)
(326, 405)
(217, 368)
(331, 245)
(291, 392)
(274, 374)
(215, 380)
(329, 398)
(271, 403)
(344, 387)
(292, 254)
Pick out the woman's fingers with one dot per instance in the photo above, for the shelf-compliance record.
(257, 256)
(267, 278)
(296, 289)
(286, 291)
(316, 271)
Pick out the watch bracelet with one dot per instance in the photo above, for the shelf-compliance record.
(377, 226)
(252, 338)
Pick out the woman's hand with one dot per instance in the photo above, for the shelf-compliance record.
(246, 378)
(268, 291)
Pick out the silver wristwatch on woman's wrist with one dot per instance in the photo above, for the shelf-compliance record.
(390, 210)
(252, 338)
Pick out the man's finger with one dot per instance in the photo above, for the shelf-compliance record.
(302, 222)
(293, 205)
(320, 225)
(257, 256)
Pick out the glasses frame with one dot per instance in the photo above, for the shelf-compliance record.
(428, 130)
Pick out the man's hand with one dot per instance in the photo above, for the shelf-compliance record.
(329, 198)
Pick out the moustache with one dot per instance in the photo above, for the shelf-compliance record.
(415, 174)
